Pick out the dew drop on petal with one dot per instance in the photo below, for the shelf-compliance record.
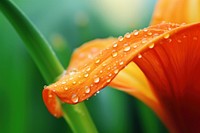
(144, 40)
(179, 41)
(166, 36)
(116, 71)
(120, 38)
(98, 92)
(66, 88)
(139, 56)
(74, 98)
(114, 54)
(195, 38)
(73, 71)
(135, 46)
(101, 71)
(145, 29)
(108, 80)
(74, 82)
(149, 33)
(97, 61)
(88, 69)
(96, 80)
(151, 45)
(55, 85)
(115, 45)
(169, 40)
(127, 35)
(121, 63)
(126, 49)
(50, 96)
(86, 75)
(136, 33)
(63, 82)
(87, 89)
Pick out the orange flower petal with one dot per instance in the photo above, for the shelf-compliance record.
(83, 80)
(132, 80)
(177, 11)
(173, 69)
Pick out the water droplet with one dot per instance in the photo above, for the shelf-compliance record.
(144, 40)
(179, 41)
(74, 82)
(121, 63)
(169, 40)
(110, 74)
(96, 80)
(98, 92)
(151, 45)
(73, 71)
(101, 71)
(50, 95)
(87, 89)
(115, 45)
(166, 36)
(139, 56)
(135, 33)
(120, 38)
(74, 98)
(145, 29)
(127, 48)
(63, 82)
(127, 35)
(149, 33)
(195, 38)
(135, 46)
(155, 35)
(104, 64)
(114, 54)
(55, 85)
(108, 68)
(116, 71)
(108, 80)
(86, 75)
(66, 88)
(88, 69)
(54, 90)
(97, 61)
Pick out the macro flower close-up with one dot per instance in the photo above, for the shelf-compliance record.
(158, 64)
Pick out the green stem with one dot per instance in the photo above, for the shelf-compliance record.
(77, 116)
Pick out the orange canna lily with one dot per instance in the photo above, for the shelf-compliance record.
(168, 82)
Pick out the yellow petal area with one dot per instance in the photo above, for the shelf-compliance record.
(95, 65)
(177, 11)
(132, 80)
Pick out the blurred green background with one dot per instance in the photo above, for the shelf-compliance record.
(67, 24)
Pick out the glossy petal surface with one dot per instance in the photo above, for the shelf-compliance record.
(86, 76)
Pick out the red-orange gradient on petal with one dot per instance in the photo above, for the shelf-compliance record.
(98, 70)
(173, 69)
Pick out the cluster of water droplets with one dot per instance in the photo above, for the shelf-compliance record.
(117, 51)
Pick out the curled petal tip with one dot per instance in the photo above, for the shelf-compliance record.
(95, 64)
